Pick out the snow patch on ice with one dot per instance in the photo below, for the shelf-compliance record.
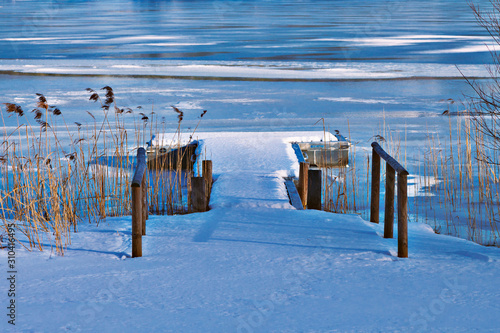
(125, 66)
(188, 106)
(404, 40)
(359, 100)
(242, 100)
(177, 44)
(417, 184)
(474, 48)
(245, 70)
(143, 38)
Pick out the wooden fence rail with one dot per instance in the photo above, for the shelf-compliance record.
(392, 167)
(139, 203)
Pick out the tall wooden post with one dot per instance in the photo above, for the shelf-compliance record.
(144, 208)
(139, 203)
(375, 194)
(402, 216)
(136, 222)
(303, 182)
(198, 195)
(390, 182)
(314, 189)
(392, 167)
(189, 191)
(207, 175)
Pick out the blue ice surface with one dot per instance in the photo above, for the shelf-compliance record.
(255, 33)
(238, 30)
(261, 31)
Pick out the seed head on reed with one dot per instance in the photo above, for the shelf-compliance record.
(110, 96)
(94, 96)
(143, 117)
(43, 125)
(180, 114)
(38, 114)
(14, 108)
(42, 102)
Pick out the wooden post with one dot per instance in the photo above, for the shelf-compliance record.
(189, 191)
(198, 195)
(402, 215)
(392, 166)
(136, 222)
(375, 195)
(303, 182)
(207, 175)
(138, 218)
(314, 189)
(390, 182)
(144, 208)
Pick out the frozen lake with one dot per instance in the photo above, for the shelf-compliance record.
(366, 67)
(442, 31)
(278, 64)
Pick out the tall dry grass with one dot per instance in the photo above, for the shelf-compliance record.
(55, 175)
(454, 181)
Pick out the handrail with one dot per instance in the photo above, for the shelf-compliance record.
(140, 168)
(392, 162)
(392, 166)
(298, 152)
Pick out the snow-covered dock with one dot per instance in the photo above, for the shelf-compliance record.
(255, 264)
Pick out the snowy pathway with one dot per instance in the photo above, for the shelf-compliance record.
(254, 264)
(249, 169)
(250, 191)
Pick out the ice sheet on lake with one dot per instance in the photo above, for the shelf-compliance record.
(244, 70)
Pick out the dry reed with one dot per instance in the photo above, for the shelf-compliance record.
(55, 175)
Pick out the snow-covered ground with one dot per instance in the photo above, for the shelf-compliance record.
(255, 264)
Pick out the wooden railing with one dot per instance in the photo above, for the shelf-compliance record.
(139, 203)
(392, 166)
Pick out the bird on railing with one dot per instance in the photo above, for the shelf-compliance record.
(150, 142)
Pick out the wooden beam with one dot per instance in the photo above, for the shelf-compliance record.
(314, 189)
(390, 184)
(140, 168)
(375, 193)
(198, 195)
(189, 191)
(402, 216)
(207, 175)
(392, 162)
(298, 152)
(136, 222)
(144, 206)
(303, 183)
(293, 194)
(139, 203)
